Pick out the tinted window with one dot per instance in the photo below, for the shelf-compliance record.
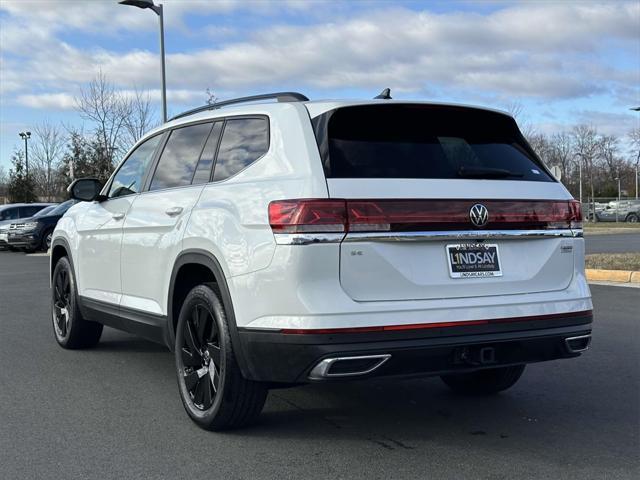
(180, 157)
(243, 142)
(45, 211)
(130, 176)
(10, 214)
(416, 141)
(62, 208)
(30, 211)
(203, 171)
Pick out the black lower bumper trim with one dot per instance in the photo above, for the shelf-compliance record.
(276, 357)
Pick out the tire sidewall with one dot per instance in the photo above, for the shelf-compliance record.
(203, 295)
(64, 264)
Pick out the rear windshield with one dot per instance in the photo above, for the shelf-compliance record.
(424, 141)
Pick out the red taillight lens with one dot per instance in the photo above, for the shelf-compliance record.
(304, 216)
(341, 216)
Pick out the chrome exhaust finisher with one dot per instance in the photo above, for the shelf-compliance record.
(363, 364)
(578, 344)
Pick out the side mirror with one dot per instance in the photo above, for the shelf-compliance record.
(85, 189)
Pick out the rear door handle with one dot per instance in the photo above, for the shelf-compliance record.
(173, 211)
(117, 216)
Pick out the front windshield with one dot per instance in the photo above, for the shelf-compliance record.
(45, 211)
(62, 208)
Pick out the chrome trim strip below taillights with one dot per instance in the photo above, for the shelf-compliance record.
(425, 236)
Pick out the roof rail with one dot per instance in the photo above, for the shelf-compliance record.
(280, 96)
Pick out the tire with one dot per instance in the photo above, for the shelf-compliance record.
(215, 398)
(632, 218)
(46, 240)
(484, 382)
(69, 328)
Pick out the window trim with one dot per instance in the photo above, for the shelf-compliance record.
(241, 117)
(223, 120)
(107, 186)
(156, 160)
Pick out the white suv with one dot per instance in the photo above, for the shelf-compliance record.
(272, 243)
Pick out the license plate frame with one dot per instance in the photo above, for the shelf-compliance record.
(482, 266)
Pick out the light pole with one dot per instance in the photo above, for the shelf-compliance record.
(637, 109)
(580, 156)
(158, 10)
(26, 136)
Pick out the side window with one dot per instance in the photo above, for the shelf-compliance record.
(28, 211)
(244, 141)
(10, 214)
(180, 157)
(203, 171)
(129, 178)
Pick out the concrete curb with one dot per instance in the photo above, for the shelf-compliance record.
(622, 276)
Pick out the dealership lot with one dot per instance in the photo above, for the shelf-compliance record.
(616, 243)
(114, 412)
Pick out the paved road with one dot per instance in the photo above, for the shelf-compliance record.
(616, 243)
(114, 412)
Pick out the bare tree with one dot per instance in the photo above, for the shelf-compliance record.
(211, 97)
(562, 152)
(141, 117)
(516, 110)
(586, 146)
(47, 151)
(109, 111)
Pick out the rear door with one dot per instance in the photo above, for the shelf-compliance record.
(155, 223)
(412, 174)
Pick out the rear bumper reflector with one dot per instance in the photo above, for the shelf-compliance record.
(422, 326)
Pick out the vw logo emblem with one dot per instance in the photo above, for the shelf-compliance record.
(479, 215)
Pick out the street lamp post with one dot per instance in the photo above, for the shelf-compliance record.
(26, 136)
(158, 10)
(637, 109)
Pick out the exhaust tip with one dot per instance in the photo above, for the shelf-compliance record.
(577, 344)
(347, 366)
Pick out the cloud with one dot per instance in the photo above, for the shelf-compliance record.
(536, 50)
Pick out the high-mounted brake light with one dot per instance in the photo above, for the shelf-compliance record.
(342, 216)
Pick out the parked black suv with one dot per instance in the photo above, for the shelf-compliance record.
(35, 233)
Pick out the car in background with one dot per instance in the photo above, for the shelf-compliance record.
(14, 211)
(4, 226)
(35, 233)
(620, 211)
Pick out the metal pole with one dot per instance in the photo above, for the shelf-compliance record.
(637, 161)
(159, 11)
(26, 154)
(580, 169)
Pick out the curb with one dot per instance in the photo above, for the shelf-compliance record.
(621, 276)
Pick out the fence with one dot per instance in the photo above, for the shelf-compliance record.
(609, 209)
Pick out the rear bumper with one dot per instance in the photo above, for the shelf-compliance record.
(290, 358)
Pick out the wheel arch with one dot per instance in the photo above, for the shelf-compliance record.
(203, 267)
(59, 248)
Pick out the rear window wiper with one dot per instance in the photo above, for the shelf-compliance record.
(486, 172)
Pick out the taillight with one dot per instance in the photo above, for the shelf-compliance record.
(342, 216)
(308, 216)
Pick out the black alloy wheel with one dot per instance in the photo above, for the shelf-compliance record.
(200, 355)
(212, 388)
(61, 303)
(70, 329)
(46, 241)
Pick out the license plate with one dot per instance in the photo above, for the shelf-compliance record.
(469, 260)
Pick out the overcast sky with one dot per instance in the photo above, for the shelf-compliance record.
(565, 62)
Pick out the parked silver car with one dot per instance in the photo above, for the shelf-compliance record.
(620, 211)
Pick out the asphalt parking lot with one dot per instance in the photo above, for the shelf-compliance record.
(114, 412)
(616, 243)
